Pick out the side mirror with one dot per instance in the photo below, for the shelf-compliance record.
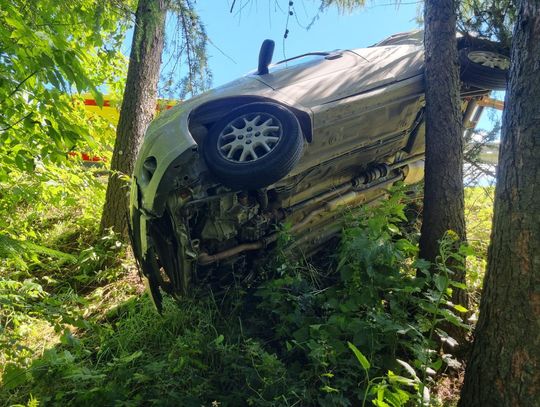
(265, 56)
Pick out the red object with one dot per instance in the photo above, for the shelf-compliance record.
(107, 103)
(86, 156)
(92, 102)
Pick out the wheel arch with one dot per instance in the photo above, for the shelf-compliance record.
(204, 115)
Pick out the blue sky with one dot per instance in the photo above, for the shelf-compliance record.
(239, 35)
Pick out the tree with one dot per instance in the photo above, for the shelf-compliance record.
(443, 187)
(140, 95)
(492, 19)
(138, 107)
(489, 18)
(443, 192)
(343, 5)
(48, 51)
(503, 369)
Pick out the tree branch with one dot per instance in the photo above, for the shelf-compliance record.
(17, 122)
(19, 86)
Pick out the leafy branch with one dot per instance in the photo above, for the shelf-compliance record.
(19, 85)
(17, 122)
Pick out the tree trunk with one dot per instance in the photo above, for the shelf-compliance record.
(504, 368)
(443, 188)
(138, 108)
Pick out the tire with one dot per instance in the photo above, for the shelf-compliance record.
(253, 146)
(484, 68)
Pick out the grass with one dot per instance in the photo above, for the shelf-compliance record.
(478, 215)
(77, 328)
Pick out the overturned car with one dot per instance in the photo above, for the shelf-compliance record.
(297, 143)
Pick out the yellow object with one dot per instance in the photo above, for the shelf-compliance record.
(111, 109)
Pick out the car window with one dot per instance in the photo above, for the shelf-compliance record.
(306, 59)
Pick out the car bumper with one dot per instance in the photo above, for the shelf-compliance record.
(168, 160)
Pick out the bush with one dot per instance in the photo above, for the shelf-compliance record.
(368, 332)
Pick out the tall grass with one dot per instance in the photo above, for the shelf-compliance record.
(76, 329)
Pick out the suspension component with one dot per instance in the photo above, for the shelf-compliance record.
(371, 174)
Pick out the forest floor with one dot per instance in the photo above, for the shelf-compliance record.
(77, 327)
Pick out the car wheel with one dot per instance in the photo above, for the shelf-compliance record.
(253, 146)
(483, 68)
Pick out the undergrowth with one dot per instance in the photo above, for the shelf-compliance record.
(51, 256)
(367, 330)
(478, 213)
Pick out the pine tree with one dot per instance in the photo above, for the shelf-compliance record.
(503, 369)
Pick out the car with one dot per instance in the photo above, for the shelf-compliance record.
(294, 143)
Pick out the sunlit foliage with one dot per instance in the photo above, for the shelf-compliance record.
(51, 51)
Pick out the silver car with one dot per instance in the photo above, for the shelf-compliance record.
(296, 143)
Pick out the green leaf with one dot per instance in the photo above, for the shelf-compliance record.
(219, 340)
(401, 380)
(422, 265)
(458, 284)
(380, 392)
(467, 250)
(460, 308)
(14, 23)
(441, 282)
(360, 356)
(329, 375)
(130, 358)
(13, 376)
(409, 369)
(98, 96)
(398, 398)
